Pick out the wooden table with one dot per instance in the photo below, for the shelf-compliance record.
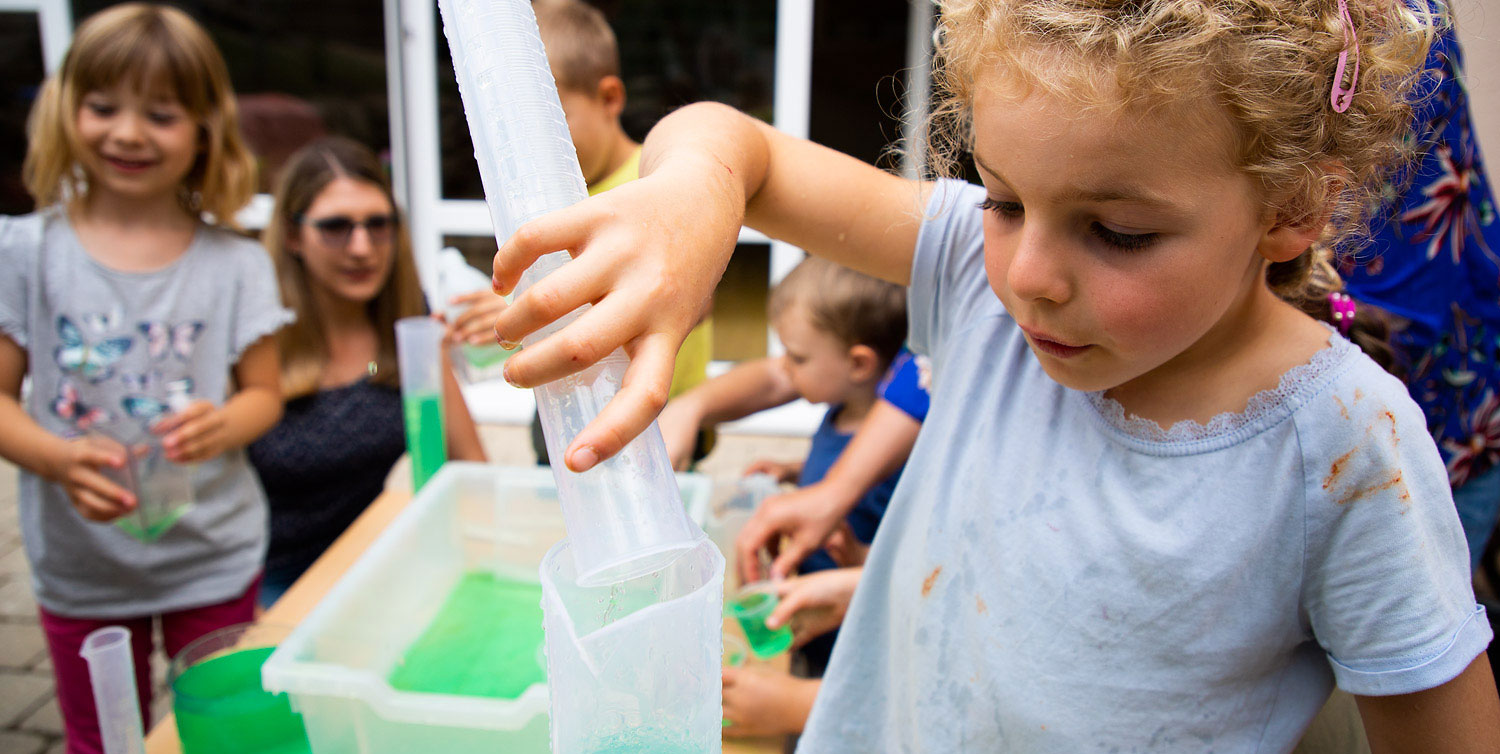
(309, 590)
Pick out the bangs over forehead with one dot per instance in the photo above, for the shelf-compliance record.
(151, 52)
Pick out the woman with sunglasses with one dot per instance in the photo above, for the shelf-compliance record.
(344, 265)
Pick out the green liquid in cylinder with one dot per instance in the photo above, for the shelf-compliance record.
(221, 708)
(425, 439)
(485, 641)
(763, 641)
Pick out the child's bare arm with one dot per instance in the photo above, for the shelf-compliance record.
(203, 430)
(746, 389)
(650, 252)
(1462, 715)
(73, 464)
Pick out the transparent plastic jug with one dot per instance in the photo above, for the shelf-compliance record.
(635, 666)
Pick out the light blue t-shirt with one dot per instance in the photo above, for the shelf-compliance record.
(1051, 577)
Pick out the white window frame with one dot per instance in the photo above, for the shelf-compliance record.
(55, 20)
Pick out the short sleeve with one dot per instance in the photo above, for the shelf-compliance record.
(1386, 590)
(905, 385)
(948, 283)
(20, 249)
(258, 310)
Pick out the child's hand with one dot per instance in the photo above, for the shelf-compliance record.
(783, 473)
(475, 325)
(196, 433)
(766, 703)
(814, 604)
(680, 425)
(790, 527)
(95, 496)
(647, 256)
(845, 548)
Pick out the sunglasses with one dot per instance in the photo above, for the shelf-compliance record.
(336, 230)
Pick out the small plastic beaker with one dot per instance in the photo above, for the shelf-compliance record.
(631, 666)
(419, 343)
(163, 489)
(220, 704)
(112, 675)
(751, 606)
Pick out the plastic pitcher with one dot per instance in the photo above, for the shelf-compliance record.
(112, 674)
(471, 363)
(419, 342)
(634, 666)
(625, 516)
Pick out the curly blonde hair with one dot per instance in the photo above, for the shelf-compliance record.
(152, 48)
(1269, 64)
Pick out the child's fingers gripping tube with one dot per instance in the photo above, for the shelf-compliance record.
(559, 231)
(643, 392)
(548, 300)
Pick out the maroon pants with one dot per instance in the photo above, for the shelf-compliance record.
(75, 695)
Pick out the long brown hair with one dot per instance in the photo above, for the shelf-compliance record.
(153, 48)
(304, 350)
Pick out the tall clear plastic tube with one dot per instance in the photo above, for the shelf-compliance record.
(625, 516)
(112, 674)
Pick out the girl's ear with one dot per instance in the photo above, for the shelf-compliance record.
(1283, 243)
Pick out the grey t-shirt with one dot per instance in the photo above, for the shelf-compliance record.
(1054, 577)
(110, 350)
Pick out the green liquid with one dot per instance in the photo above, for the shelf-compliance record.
(222, 709)
(484, 357)
(751, 611)
(425, 439)
(483, 642)
(148, 530)
(643, 742)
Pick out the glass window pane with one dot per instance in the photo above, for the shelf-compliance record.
(672, 52)
(301, 69)
(21, 74)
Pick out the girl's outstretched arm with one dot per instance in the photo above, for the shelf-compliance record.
(651, 251)
(203, 430)
(74, 464)
(1462, 715)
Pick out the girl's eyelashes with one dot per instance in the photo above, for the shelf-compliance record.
(1125, 241)
(1003, 209)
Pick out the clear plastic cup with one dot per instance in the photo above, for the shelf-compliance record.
(632, 666)
(419, 342)
(112, 675)
(220, 702)
(163, 489)
(751, 606)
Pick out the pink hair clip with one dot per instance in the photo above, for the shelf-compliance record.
(1341, 97)
(1343, 311)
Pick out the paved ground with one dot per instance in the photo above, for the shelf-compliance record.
(29, 720)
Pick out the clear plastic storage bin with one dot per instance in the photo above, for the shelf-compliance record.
(335, 666)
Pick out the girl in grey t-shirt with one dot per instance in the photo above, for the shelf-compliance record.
(135, 319)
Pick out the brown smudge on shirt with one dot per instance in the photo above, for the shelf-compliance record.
(1390, 417)
(980, 606)
(1359, 395)
(1374, 488)
(1343, 410)
(930, 580)
(1337, 468)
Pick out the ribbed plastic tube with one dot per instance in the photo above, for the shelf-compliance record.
(625, 516)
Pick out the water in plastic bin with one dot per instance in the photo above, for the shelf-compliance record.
(483, 642)
(222, 709)
(425, 439)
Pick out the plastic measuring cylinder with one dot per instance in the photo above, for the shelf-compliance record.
(112, 674)
(624, 516)
(419, 342)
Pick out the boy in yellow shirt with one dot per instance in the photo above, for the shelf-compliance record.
(585, 60)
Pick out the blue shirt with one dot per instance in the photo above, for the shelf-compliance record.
(1435, 261)
(1052, 577)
